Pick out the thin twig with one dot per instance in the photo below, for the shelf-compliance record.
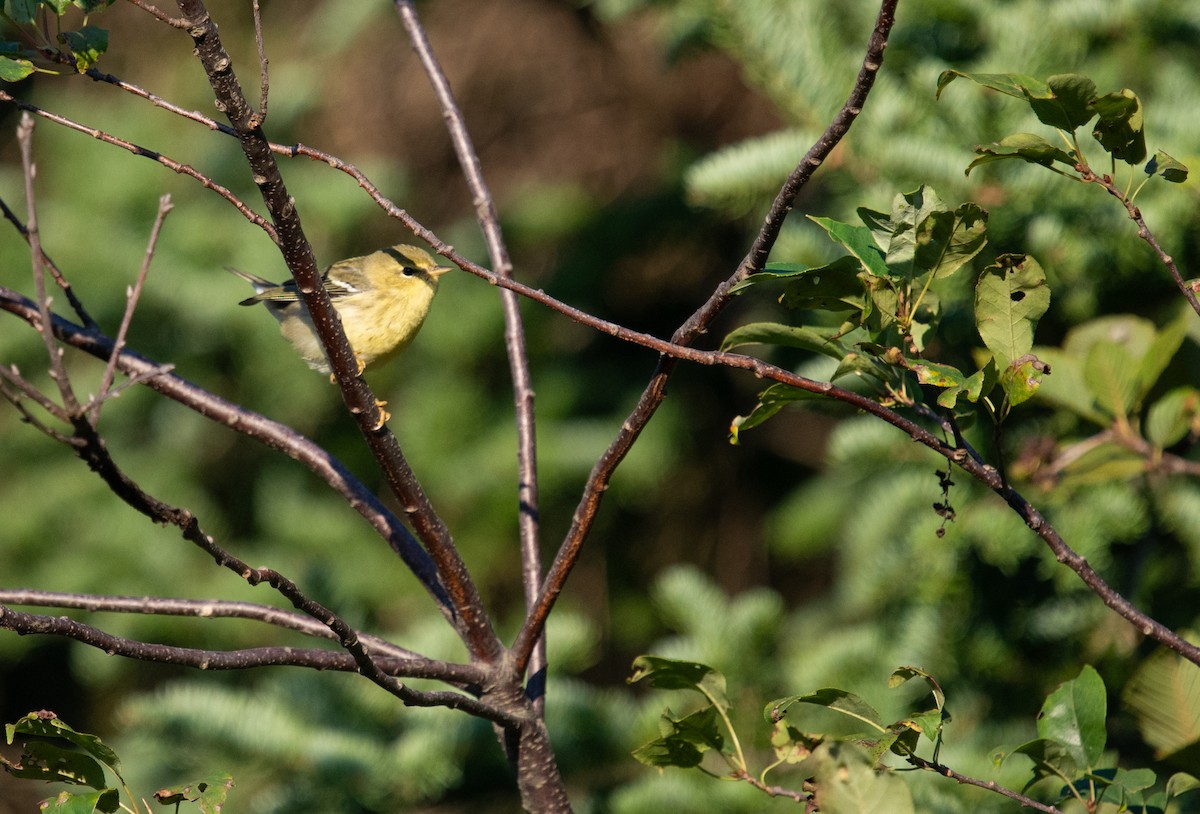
(1135, 214)
(320, 659)
(174, 22)
(58, 371)
(16, 389)
(169, 163)
(389, 207)
(298, 447)
(990, 785)
(253, 425)
(93, 451)
(55, 272)
(514, 332)
(697, 324)
(224, 609)
(259, 118)
(131, 301)
(471, 621)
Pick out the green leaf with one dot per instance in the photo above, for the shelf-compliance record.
(87, 45)
(1164, 695)
(89, 6)
(770, 402)
(1170, 169)
(1121, 129)
(885, 299)
(1011, 84)
(209, 793)
(684, 740)
(1050, 758)
(670, 674)
(1025, 147)
(846, 703)
(857, 240)
(85, 803)
(832, 287)
(1181, 783)
(772, 273)
(1074, 715)
(774, 333)
(54, 764)
(1021, 379)
(902, 675)
(914, 216)
(1064, 101)
(1010, 297)
(949, 377)
(922, 235)
(1173, 416)
(1061, 101)
(790, 744)
(14, 70)
(1103, 463)
(49, 725)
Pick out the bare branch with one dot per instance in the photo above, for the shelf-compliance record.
(389, 666)
(514, 330)
(76, 305)
(58, 371)
(1135, 214)
(697, 324)
(258, 119)
(17, 387)
(222, 609)
(169, 163)
(174, 22)
(134, 293)
(471, 620)
(990, 785)
(272, 433)
(388, 206)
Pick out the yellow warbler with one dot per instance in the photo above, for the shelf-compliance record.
(382, 299)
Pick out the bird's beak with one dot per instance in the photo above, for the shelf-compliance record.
(438, 271)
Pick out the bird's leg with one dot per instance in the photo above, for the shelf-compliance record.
(384, 415)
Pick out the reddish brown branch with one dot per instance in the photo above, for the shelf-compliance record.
(253, 425)
(514, 330)
(169, 163)
(1135, 214)
(697, 324)
(471, 620)
(388, 667)
(990, 785)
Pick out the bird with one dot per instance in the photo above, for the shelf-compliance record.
(382, 299)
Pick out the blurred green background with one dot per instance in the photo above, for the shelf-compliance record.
(631, 146)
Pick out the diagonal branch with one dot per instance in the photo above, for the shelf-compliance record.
(134, 293)
(271, 433)
(58, 371)
(514, 331)
(76, 305)
(169, 163)
(470, 618)
(1135, 214)
(697, 324)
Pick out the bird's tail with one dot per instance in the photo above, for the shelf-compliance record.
(260, 284)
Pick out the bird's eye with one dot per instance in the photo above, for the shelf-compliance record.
(408, 271)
